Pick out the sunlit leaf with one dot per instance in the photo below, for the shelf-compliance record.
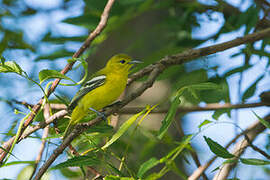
(18, 162)
(51, 74)
(169, 117)
(27, 171)
(10, 67)
(147, 166)
(111, 177)
(123, 128)
(263, 121)
(205, 122)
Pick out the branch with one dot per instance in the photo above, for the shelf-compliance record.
(46, 115)
(86, 44)
(208, 107)
(240, 148)
(155, 69)
(192, 54)
(158, 68)
(198, 172)
(57, 152)
(255, 148)
(83, 126)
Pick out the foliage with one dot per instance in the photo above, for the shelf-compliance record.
(142, 146)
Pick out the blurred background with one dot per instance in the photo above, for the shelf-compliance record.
(44, 34)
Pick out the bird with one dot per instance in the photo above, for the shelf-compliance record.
(102, 89)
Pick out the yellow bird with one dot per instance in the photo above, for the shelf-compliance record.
(103, 88)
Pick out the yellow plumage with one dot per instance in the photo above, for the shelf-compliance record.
(103, 88)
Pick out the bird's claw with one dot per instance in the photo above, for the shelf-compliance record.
(100, 114)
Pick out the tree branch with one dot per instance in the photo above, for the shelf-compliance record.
(192, 54)
(208, 107)
(86, 44)
(46, 115)
(257, 125)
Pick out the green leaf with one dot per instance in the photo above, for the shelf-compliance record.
(2, 59)
(176, 170)
(70, 173)
(237, 70)
(51, 74)
(111, 177)
(115, 170)
(229, 161)
(147, 166)
(57, 54)
(27, 171)
(174, 153)
(206, 121)
(219, 112)
(253, 161)
(251, 89)
(263, 121)
(78, 161)
(218, 149)
(18, 162)
(10, 67)
(101, 128)
(124, 127)
(87, 20)
(61, 40)
(176, 101)
(169, 117)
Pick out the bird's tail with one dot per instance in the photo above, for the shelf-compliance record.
(69, 129)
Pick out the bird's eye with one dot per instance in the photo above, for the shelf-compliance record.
(122, 61)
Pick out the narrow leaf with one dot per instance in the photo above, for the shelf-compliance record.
(169, 117)
(218, 149)
(147, 166)
(251, 89)
(263, 121)
(50, 74)
(124, 127)
(18, 162)
(230, 161)
(111, 177)
(174, 153)
(204, 86)
(253, 161)
(78, 161)
(206, 121)
(237, 70)
(115, 170)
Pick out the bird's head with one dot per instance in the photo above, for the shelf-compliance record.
(121, 63)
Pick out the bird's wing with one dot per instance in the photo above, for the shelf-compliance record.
(86, 88)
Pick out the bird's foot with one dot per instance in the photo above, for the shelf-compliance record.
(100, 114)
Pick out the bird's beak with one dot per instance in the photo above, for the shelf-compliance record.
(135, 62)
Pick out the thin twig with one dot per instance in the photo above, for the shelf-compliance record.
(165, 62)
(46, 115)
(239, 150)
(198, 172)
(208, 107)
(193, 153)
(86, 44)
(255, 148)
(59, 150)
